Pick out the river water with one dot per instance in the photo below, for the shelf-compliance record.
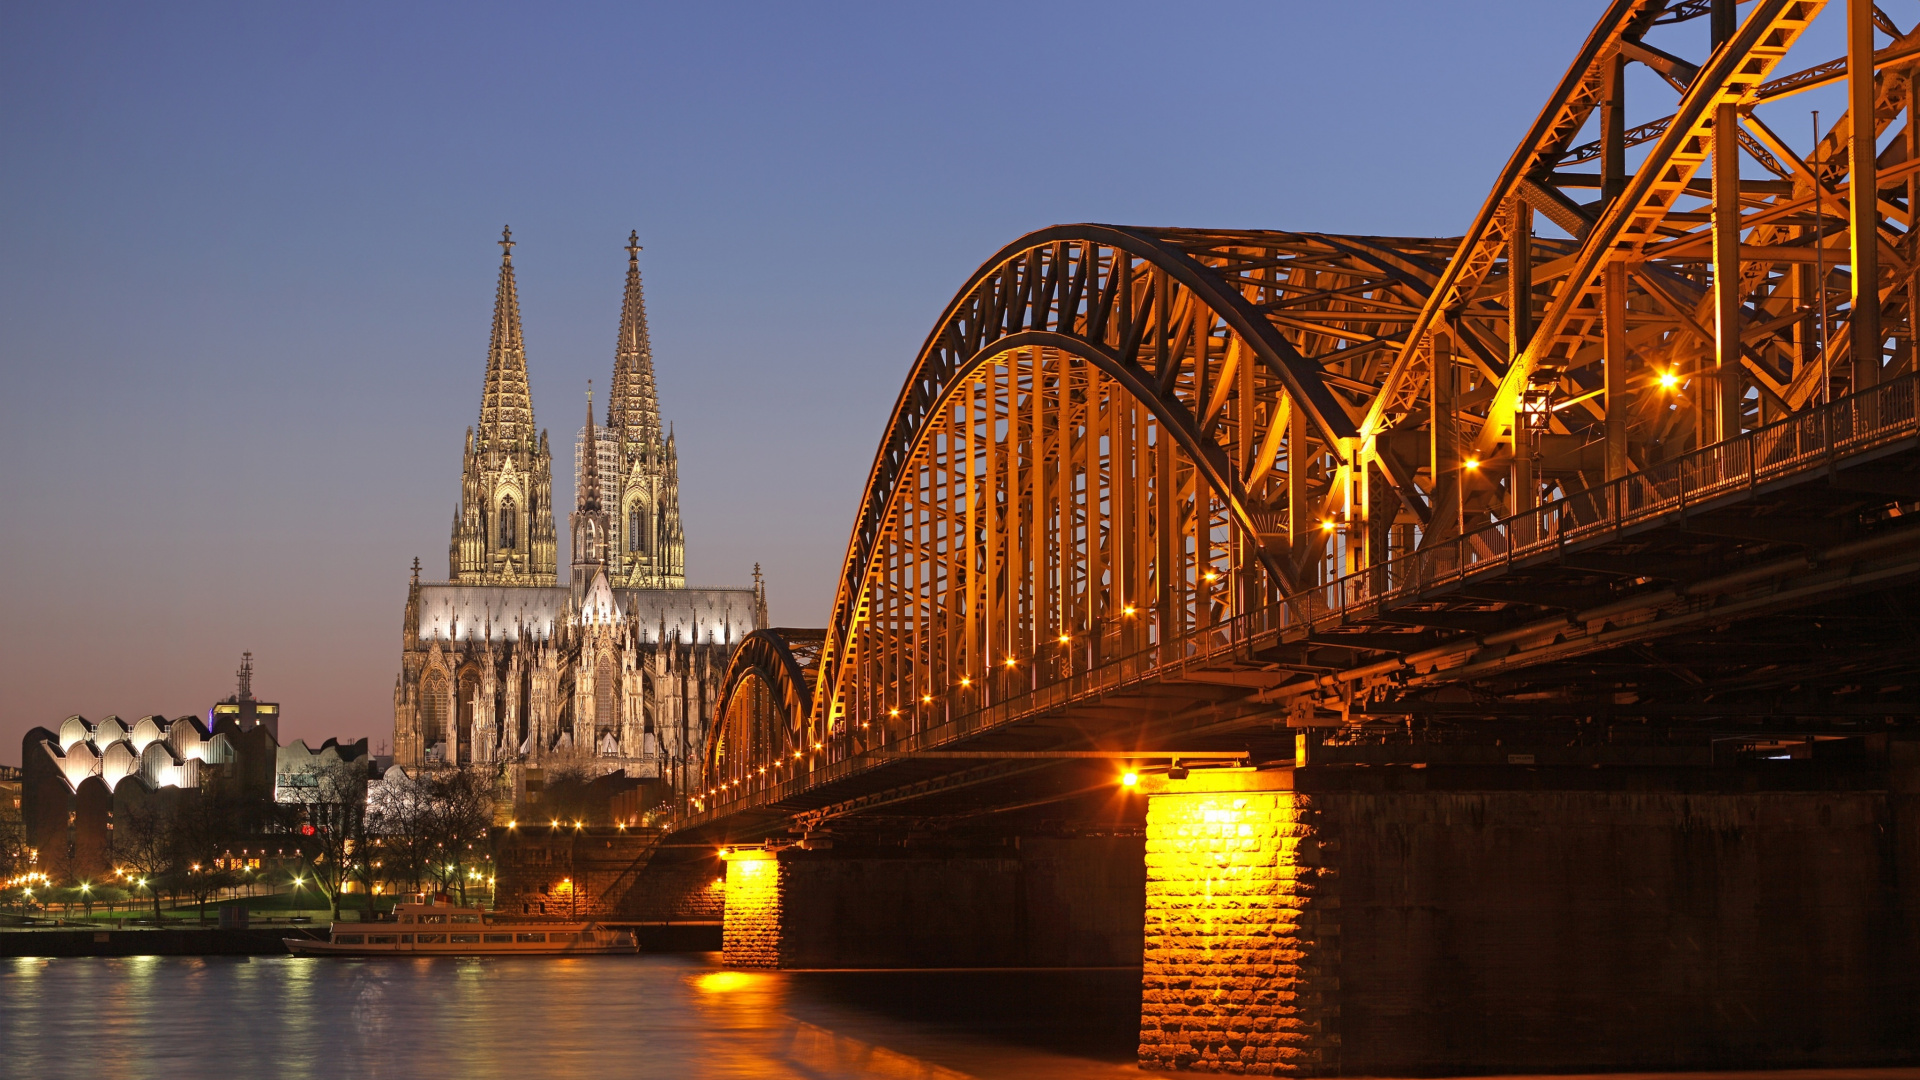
(293, 1018)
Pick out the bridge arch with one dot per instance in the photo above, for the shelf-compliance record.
(1077, 375)
(765, 696)
(1157, 422)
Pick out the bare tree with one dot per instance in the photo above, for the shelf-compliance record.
(462, 809)
(399, 813)
(332, 818)
(206, 824)
(431, 826)
(145, 842)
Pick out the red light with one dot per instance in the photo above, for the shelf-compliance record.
(306, 830)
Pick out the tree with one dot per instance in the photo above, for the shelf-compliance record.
(206, 824)
(15, 857)
(330, 824)
(145, 841)
(461, 801)
(432, 825)
(399, 810)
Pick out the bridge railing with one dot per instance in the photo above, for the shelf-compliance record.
(1843, 428)
(1848, 426)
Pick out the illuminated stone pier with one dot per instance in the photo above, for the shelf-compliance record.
(1242, 927)
(1404, 919)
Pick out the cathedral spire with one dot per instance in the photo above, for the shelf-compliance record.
(587, 498)
(633, 408)
(506, 405)
(590, 525)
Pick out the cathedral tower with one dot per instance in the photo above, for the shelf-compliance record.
(503, 532)
(639, 469)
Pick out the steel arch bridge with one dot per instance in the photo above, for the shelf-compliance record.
(1151, 484)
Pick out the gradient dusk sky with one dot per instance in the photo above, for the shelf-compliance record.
(250, 265)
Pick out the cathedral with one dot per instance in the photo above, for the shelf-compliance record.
(618, 668)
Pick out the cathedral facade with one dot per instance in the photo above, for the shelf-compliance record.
(619, 667)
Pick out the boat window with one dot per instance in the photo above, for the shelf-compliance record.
(349, 939)
(380, 939)
(406, 939)
(562, 937)
(430, 939)
(529, 937)
(497, 938)
(466, 918)
(464, 939)
(406, 918)
(433, 918)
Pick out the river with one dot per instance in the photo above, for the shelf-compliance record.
(662, 1015)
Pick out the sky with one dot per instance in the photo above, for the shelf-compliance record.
(249, 264)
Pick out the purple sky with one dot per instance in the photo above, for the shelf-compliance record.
(249, 265)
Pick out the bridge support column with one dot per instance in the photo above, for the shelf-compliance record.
(1039, 902)
(1413, 917)
(1242, 928)
(750, 934)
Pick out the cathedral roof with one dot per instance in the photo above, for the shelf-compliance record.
(510, 613)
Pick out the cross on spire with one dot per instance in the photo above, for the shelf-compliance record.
(506, 242)
(633, 246)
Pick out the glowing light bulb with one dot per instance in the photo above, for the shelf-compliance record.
(1128, 610)
(1064, 639)
(926, 699)
(1669, 379)
(1471, 464)
(1130, 779)
(1010, 661)
(1326, 525)
(966, 680)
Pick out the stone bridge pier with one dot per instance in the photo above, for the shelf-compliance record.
(1429, 918)
(1033, 902)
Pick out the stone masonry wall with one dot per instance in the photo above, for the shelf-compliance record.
(751, 937)
(600, 873)
(1242, 930)
(1039, 903)
(1510, 931)
(1401, 921)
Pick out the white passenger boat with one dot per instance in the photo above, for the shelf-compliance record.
(429, 928)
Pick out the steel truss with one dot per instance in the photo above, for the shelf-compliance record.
(1121, 448)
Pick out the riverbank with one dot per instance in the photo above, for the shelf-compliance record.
(266, 940)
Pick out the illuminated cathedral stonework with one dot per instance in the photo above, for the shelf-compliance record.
(618, 668)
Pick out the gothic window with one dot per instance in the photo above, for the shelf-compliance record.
(636, 521)
(605, 715)
(509, 524)
(433, 710)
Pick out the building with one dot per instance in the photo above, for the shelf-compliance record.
(243, 709)
(332, 772)
(75, 779)
(620, 667)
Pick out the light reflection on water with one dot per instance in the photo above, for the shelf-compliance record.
(665, 1015)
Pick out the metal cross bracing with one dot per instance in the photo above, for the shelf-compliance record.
(1146, 483)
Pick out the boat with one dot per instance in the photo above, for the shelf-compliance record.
(429, 926)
